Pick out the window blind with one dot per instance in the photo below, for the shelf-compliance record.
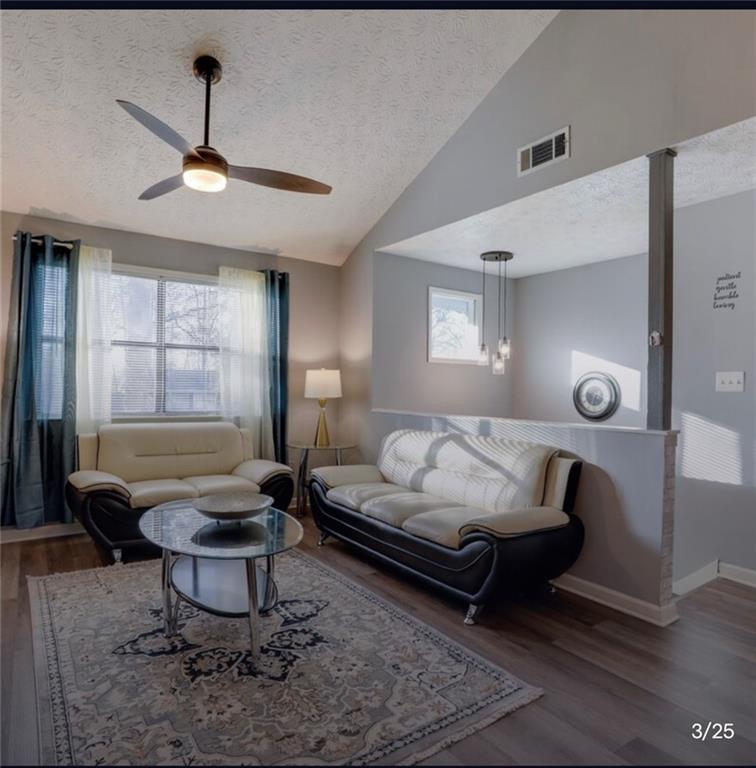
(165, 345)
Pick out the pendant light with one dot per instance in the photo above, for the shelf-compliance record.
(483, 356)
(503, 346)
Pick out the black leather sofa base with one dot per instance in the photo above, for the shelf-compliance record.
(482, 567)
(114, 525)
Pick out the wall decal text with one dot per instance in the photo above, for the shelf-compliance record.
(726, 290)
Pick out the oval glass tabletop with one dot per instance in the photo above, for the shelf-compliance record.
(177, 526)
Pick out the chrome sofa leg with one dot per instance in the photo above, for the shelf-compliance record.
(117, 554)
(473, 611)
(322, 538)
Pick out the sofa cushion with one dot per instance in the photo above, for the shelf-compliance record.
(148, 493)
(395, 508)
(209, 484)
(356, 494)
(138, 452)
(489, 473)
(440, 525)
(348, 474)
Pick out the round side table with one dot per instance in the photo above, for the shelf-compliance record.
(304, 458)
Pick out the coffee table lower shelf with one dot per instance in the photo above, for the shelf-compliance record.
(220, 586)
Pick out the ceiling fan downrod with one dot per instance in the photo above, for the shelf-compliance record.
(207, 70)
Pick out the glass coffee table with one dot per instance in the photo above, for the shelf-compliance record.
(213, 565)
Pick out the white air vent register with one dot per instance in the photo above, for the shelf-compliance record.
(546, 151)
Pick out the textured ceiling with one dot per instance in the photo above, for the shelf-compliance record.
(359, 99)
(596, 218)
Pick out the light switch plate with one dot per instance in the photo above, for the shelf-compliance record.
(730, 381)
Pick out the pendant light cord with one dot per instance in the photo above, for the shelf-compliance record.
(483, 308)
(505, 298)
(499, 303)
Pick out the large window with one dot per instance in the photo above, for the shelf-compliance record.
(454, 326)
(165, 345)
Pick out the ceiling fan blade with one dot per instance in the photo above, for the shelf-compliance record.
(162, 187)
(158, 127)
(289, 182)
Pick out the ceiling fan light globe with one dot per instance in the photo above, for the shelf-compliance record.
(205, 179)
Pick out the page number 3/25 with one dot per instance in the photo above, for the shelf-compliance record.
(713, 731)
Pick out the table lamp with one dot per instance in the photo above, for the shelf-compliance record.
(321, 385)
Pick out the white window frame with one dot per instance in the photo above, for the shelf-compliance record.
(452, 292)
(134, 270)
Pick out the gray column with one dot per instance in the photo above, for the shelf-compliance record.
(660, 290)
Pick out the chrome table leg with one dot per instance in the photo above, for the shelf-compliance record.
(254, 617)
(168, 623)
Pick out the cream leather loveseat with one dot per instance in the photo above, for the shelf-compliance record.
(127, 468)
(473, 515)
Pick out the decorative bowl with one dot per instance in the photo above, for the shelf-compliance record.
(239, 505)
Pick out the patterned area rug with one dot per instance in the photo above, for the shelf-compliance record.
(343, 678)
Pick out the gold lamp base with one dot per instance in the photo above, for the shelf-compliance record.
(321, 433)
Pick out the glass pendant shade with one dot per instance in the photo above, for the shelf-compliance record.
(499, 365)
(505, 348)
(483, 356)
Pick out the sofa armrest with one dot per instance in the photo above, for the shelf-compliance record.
(260, 470)
(516, 522)
(91, 480)
(348, 474)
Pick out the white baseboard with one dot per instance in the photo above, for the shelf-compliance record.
(697, 579)
(737, 573)
(660, 615)
(49, 531)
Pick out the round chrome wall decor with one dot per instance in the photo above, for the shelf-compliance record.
(596, 396)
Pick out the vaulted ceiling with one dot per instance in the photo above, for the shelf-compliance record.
(359, 99)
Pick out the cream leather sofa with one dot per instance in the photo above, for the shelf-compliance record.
(127, 468)
(470, 514)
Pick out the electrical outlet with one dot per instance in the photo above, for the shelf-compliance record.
(730, 381)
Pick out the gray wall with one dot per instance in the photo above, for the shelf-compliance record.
(574, 320)
(314, 320)
(716, 497)
(402, 376)
(628, 82)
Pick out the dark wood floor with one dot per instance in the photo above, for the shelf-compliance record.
(617, 690)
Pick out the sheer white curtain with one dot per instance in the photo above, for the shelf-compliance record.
(245, 386)
(93, 337)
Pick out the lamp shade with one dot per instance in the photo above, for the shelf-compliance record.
(323, 384)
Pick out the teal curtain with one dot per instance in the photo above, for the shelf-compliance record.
(39, 385)
(277, 302)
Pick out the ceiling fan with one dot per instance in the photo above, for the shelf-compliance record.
(204, 168)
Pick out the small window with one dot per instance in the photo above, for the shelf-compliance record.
(454, 326)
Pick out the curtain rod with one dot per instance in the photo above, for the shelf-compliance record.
(37, 241)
